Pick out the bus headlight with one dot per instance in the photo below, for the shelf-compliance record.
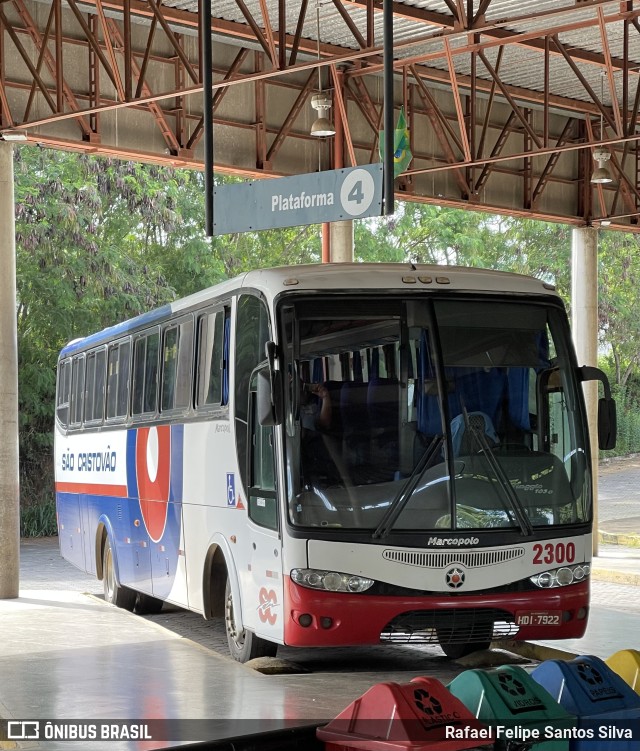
(330, 581)
(561, 577)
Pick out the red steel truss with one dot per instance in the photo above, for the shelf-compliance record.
(506, 101)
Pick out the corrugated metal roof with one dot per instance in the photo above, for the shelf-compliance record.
(521, 66)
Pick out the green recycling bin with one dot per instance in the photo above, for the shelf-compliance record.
(520, 712)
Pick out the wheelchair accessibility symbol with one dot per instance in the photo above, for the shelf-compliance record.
(231, 489)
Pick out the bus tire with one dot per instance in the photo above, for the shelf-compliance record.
(244, 645)
(147, 605)
(121, 597)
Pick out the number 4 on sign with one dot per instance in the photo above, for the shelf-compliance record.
(356, 194)
(357, 191)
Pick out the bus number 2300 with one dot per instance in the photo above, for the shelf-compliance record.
(558, 553)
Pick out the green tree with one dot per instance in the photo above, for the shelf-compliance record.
(80, 229)
(619, 303)
(422, 233)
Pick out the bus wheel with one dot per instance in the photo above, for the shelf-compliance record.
(147, 605)
(457, 644)
(243, 645)
(121, 597)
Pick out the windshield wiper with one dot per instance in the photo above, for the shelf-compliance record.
(402, 497)
(521, 515)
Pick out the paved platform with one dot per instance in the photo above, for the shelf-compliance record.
(66, 654)
(619, 502)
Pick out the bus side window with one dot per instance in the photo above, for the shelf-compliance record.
(169, 368)
(118, 368)
(210, 359)
(95, 386)
(263, 505)
(252, 333)
(64, 392)
(145, 374)
(77, 391)
(177, 353)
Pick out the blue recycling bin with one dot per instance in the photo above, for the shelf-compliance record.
(607, 708)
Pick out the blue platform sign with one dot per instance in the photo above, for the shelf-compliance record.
(330, 196)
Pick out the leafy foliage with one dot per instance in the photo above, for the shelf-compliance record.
(38, 519)
(81, 229)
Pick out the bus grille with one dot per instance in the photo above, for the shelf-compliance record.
(459, 625)
(441, 559)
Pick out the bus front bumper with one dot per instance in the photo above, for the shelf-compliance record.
(319, 618)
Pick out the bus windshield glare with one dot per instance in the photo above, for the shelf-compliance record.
(407, 415)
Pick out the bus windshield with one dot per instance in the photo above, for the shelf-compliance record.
(432, 415)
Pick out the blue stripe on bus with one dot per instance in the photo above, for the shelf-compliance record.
(132, 475)
(120, 329)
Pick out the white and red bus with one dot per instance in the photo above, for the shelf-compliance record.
(337, 455)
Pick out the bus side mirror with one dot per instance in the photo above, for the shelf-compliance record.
(269, 396)
(607, 418)
(607, 423)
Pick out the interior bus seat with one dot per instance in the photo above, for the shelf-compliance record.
(321, 448)
(336, 427)
(479, 390)
(356, 427)
(468, 436)
(383, 402)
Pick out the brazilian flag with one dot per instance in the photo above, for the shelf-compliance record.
(401, 150)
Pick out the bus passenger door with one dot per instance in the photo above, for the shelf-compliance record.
(264, 609)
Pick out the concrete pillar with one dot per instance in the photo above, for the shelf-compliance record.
(342, 241)
(9, 476)
(584, 323)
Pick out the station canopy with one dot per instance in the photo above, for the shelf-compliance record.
(522, 107)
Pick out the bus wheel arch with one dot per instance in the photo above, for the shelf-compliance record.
(214, 580)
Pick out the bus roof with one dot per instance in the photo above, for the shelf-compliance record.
(365, 276)
(353, 277)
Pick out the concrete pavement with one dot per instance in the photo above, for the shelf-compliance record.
(619, 502)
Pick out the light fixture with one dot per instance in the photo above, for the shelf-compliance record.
(605, 222)
(321, 102)
(13, 134)
(601, 174)
(322, 125)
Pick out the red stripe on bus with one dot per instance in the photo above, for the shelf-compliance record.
(119, 491)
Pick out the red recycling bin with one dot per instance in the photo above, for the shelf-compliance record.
(418, 716)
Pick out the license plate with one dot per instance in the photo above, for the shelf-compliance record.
(538, 617)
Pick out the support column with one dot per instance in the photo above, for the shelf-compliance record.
(342, 241)
(326, 242)
(9, 476)
(584, 323)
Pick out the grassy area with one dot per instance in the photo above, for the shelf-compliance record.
(38, 520)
